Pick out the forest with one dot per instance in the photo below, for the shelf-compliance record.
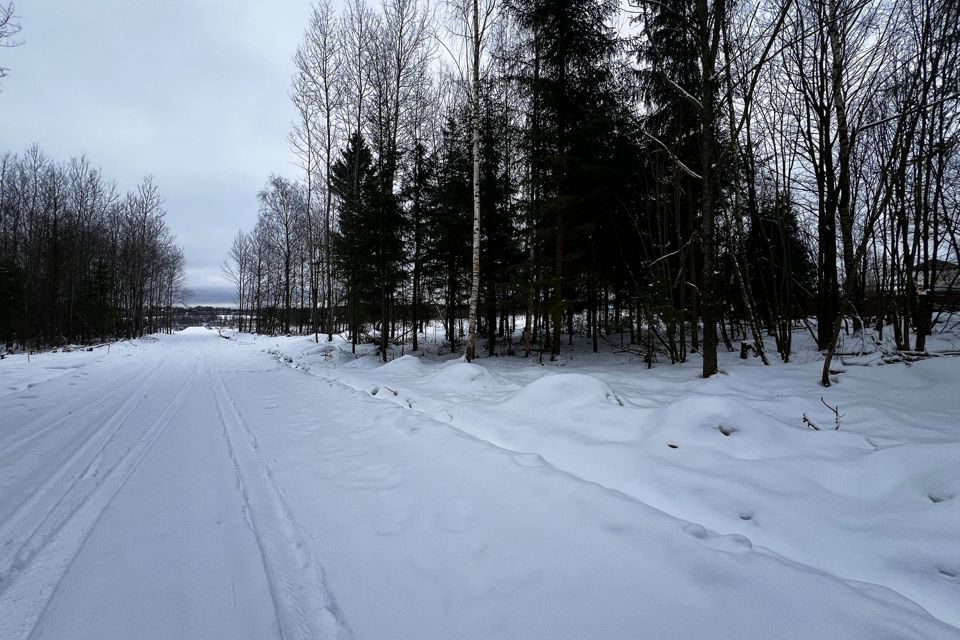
(688, 174)
(80, 261)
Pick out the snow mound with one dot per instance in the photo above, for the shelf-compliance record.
(405, 366)
(910, 472)
(722, 421)
(743, 430)
(465, 377)
(564, 390)
(360, 363)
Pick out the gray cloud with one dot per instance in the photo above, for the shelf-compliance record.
(192, 92)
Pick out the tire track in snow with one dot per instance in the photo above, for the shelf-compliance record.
(305, 608)
(49, 505)
(28, 593)
(73, 413)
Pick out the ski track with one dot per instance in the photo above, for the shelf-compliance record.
(25, 598)
(10, 449)
(305, 608)
(42, 513)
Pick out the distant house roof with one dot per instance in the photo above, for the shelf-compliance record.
(945, 274)
(938, 265)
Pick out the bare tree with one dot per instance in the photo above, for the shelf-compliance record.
(710, 26)
(281, 203)
(9, 28)
(316, 95)
(236, 268)
(304, 140)
(358, 30)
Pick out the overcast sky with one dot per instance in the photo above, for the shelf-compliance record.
(193, 92)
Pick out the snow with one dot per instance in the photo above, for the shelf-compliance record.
(195, 487)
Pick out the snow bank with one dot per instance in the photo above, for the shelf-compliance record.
(582, 521)
(729, 459)
(464, 377)
(563, 391)
(404, 366)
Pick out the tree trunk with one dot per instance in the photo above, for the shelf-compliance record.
(843, 178)
(709, 41)
(471, 351)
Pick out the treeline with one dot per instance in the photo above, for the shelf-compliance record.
(79, 260)
(685, 173)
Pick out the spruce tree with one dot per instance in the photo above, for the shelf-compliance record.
(354, 185)
(570, 86)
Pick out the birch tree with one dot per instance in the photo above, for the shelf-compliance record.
(474, 20)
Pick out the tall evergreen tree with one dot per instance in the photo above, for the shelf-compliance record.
(573, 48)
(354, 185)
(448, 237)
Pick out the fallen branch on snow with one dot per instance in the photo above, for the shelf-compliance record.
(836, 414)
(810, 423)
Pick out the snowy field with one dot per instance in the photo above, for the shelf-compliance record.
(189, 486)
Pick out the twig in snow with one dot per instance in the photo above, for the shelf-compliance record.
(836, 413)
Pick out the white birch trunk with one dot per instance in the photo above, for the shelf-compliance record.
(471, 352)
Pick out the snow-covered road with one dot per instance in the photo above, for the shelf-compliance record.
(194, 487)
